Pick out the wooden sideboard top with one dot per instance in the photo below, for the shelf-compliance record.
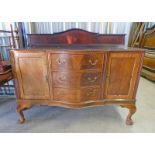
(76, 48)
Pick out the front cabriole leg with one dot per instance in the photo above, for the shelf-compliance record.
(132, 110)
(21, 114)
(20, 108)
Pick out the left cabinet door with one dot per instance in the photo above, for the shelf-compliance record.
(32, 75)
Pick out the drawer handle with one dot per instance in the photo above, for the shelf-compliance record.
(61, 61)
(90, 93)
(93, 63)
(62, 78)
(92, 80)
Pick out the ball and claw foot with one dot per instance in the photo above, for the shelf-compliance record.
(20, 108)
(129, 121)
(21, 117)
(132, 110)
(21, 121)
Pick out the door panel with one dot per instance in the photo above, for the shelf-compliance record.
(122, 72)
(32, 75)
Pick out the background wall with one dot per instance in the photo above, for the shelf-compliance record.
(53, 27)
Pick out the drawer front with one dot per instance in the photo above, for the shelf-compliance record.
(76, 79)
(77, 61)
(74, 96)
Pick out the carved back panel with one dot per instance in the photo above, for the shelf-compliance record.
(74, 36)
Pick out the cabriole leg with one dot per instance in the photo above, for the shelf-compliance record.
(21, 114)
(132, 110)
(20, 108)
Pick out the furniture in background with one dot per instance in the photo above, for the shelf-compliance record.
(5, 72)
(136, 32)
(148, 42)
(74, 37)
(77, 76)
(5, 66)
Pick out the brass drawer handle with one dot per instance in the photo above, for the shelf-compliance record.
(62, 78)
(92, 79)
(93, 63)
(61, 61)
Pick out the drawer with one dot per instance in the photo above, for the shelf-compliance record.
(77, 61)
(76, 95)
(76, 79)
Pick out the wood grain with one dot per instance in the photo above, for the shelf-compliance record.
(74, 36)
(41, 80)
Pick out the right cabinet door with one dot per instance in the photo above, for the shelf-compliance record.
(122, 75)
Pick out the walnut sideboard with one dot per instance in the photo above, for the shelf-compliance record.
(77, 77)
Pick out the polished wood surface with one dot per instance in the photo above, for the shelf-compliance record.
(122, 75)
(76, 79)
(77, 61)
(76, 96)
(54, 77)
(148, 42)
(148, 39)
(74, 36)
(32, 75)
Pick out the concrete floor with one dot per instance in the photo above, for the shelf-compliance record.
(97, 119)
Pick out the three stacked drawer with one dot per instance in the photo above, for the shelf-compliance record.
(77, 77)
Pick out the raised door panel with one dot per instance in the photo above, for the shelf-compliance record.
(77, 61)
(122, 75)
(32, 74)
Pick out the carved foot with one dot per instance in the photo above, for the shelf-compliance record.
(20, 109)
(132, 110)
(21, 117)
(129, 121)
(21, 114)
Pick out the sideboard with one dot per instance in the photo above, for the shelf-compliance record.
(77, 76)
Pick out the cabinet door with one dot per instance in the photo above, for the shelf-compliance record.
(122, 75)
(32, 75)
